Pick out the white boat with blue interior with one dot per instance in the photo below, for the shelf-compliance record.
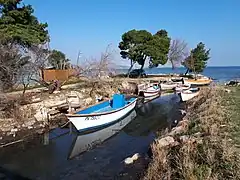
(102, 114)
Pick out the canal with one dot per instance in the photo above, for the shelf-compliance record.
(62, 154)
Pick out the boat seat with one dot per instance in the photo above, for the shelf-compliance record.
(118, 101)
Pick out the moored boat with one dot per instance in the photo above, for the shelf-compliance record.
(153, 90)
(189, 94)
(182, 87)
(103, 114)
(168, 86)
(198, 82)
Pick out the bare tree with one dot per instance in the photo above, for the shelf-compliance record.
(11, 62)
(97, 69)
(178, 52)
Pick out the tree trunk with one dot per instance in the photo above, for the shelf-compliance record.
(186, 72)
(129, 70)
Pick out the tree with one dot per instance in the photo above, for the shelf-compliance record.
(21, 33)
(177, 52)
(11, 62)
(58, 60)
(138, 45)
(197, 60)
(18, 24)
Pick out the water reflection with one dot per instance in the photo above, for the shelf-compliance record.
(87, 141)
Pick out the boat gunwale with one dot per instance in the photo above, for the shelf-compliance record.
(100, 113)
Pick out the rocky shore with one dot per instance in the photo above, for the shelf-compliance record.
(202, 145)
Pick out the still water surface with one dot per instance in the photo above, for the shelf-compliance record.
(63, 158)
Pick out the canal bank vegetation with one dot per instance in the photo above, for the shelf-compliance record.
(204, 144)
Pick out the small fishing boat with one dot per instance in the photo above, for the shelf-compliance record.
(176, 79)
(189, 94)
(198, 82)
(168, 86)
(103, 114)
(182, 87)
(152, 90)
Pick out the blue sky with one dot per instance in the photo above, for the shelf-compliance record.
(90, 25)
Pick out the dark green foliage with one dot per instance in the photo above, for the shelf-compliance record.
(58, 60)
(138, 45)
(198, 58)
(19, 25)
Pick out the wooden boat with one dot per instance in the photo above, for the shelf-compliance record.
(176, 79)
(182, 87)
(103, 114)
(189, 94)
(198, 82)
(152, 90)
(168, 86)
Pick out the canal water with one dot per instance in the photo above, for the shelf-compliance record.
(62, 154)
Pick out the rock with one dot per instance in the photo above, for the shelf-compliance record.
(166, 141)
(1, 138)
(30, 127)
(88, 101)
(56, 92)
(34, 100)
(184, 138)
(128, 161)
(30, 122)
(177, 130)
(14, 130)
(183, 112)
(227, 90)
(183, 123)
(41, 114)
(135, 156)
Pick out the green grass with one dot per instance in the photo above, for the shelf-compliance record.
(233, 105)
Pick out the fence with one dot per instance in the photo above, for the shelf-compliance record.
(54, 74)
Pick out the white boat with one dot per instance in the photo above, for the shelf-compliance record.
(153, 90)
(189, 94)
(103, 114)
(88, 141)
(168, 86)
(182, 87)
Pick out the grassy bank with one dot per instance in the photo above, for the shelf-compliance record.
(207, 146)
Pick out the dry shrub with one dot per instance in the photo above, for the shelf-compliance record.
(11, 107)
(210, 157)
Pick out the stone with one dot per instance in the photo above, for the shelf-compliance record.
(30, 122)
(177, 130)
(88, 101)
(227, 90)
(30, 127)
(183, 112)
(166, 141)
(14, 130)
(34, 100)
(56, 92)
(135, 156)
(184, 138)
(128, 161)
(41, 114)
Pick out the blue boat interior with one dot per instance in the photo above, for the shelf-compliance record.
(118, 101)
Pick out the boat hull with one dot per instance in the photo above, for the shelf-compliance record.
(185, 96)
(168, 86)
(202, 82)
(98, 121)
(149, 92)
(88, 141)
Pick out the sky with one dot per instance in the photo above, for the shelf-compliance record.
(90, 26)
